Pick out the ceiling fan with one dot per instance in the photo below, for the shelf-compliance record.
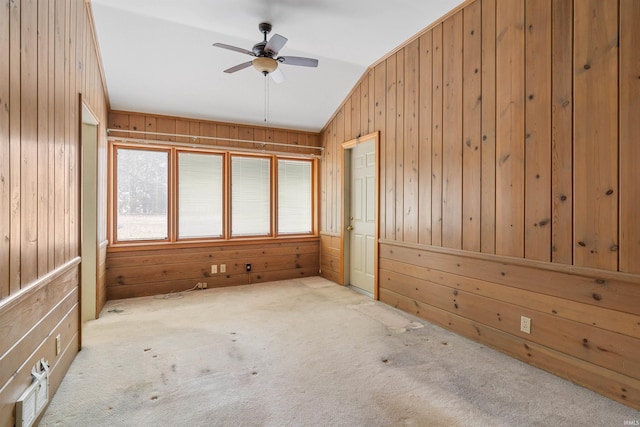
(266, 55)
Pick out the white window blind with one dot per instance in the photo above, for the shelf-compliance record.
(294, 197)
(199, 195)
(250, 196)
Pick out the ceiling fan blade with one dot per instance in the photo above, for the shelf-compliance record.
(277, 75)
(298, 60)
(239, 67)
(275, 43)
(234, 48)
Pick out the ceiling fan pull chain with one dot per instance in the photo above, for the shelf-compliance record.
(266, 99)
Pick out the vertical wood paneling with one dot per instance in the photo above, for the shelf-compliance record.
(59, 137)
(472, 127)
(379, 124)
(561, 131)
(629, 137)
(47, 57)
(324, 182)
(364, 106)
(399, 124)
(436, 148)
(390, 150)
(510, 127)
(66, 138)
(411, 133)
(424, 148)
(452, 132)
(553, 112)
(5, 205)
(372, 103)
(43, 138)
(488, 180)
(51, 139)
(14, 146)
(355, 112)
(596, 133)
(537, 215)
(29, 141)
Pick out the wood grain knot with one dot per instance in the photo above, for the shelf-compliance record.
(587, 66)
(583, 244)
(609, 192)
(614, 248)
(597, 297)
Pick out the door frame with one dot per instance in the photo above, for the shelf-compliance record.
(345, 189)
(88, 244)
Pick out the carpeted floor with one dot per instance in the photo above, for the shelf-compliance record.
(302, 353)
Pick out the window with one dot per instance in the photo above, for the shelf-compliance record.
(250, 196)
(294, 197)
(199, 195)
(142, 197)
(175, 194)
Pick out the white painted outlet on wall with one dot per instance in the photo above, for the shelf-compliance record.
(525, 324)
(214, 269)
(223, 268)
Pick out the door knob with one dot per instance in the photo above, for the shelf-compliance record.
(349, 228)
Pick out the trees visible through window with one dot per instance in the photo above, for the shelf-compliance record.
(142, 196)
(179, 194)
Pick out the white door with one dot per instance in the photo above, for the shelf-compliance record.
(361, 227)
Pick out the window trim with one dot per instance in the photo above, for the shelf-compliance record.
(173, 240)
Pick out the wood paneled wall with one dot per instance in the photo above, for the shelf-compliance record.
(195, 128)
(47, 58)
(509, 135)
(134, 273)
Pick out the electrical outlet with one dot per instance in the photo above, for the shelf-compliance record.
(58, 344)
(214, 269)
(525, 324)
(247, 267)
(223, 268)
(204, 285)
(201, 285)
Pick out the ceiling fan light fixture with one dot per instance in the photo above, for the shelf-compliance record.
(265, 65)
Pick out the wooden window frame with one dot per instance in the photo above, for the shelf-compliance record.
(173, 240)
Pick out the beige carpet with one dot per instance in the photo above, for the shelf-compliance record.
(302, 353)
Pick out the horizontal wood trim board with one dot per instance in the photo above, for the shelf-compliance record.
(614, 385)
(151, 272)
(17, 320)
(598, 346)
(164, 289)
(37, 334)
(595, 290)
(217, 254)
(612, 320)
(162, 271)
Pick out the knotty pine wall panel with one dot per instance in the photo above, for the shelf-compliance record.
(47, 58)
(134, 273)
(527, 189)
(123, 124)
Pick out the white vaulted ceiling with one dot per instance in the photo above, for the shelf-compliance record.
(158, 55)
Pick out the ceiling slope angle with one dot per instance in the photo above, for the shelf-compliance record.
(158, 55)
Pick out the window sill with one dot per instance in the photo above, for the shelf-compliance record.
(125, 247)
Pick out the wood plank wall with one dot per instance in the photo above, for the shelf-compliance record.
(193, 128)
(518, 120)
(133, 272)
(47, 57)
